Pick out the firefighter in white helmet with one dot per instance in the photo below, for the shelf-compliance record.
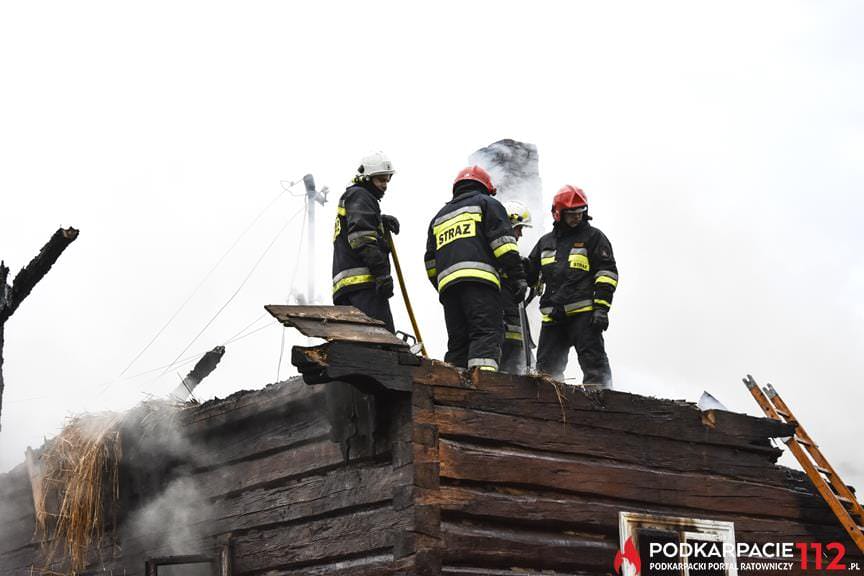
(361, 255)
(512, 351)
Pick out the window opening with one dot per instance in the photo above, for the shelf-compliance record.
(647, 529)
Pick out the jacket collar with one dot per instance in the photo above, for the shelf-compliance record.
(369, 187)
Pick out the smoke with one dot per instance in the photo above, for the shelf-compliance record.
(158, 452)
(515, 170)
(171, 522)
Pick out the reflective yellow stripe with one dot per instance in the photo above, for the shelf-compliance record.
(351, 280)
(487, 368)
(504, 248)
(464, 217)
(606, 280)
(513, 336)
(468, 273)
(545, 318)
(607, 304)
(432, 272)
(548, 260)
(341, 211)
(579, 261)
(578, 310)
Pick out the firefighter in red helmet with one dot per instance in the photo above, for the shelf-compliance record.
(469, 246)
(577, 267)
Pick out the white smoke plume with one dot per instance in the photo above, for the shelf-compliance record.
(515, 170)
(157, 456)
(171, 522)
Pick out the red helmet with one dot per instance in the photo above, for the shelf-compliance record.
(477, 174)
(569, 198)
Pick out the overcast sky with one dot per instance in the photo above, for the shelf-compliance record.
(721, 145)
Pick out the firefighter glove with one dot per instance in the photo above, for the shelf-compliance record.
(520, 289)
(390, 223)
(600, 319)
(384, 286)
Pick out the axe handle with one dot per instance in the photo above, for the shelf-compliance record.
(404, 290)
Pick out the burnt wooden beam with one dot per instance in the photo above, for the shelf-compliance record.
(31, 274)
(537, 398)
(637, 484)
(12, 296)
(548, 437)
(203, 368)
(366, 366)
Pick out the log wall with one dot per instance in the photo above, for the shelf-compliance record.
(256, 473)
(530, 479)
(498, 475)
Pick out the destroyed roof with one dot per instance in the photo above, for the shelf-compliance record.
(455, 475)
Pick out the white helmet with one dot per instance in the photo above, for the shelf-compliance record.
(518, 213)
(375, 164)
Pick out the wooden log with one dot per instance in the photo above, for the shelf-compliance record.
(535, 434)
(282, 466)
(376, 565)
(542, 391)
(651, 420)
(366, 532)
(272, 432)
(626, 482)
(325, 494)
(516, 506)
(491, 546)
(274, 399)
(367, 367)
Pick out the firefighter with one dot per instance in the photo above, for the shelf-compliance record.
(512, 351)
(361, 255)
(577, 267)
(469, 241)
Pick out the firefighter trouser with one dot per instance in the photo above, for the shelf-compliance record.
(556, 338)
(475, 325)
(370, 303)
(512, 357)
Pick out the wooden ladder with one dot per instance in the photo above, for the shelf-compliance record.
(829, 484)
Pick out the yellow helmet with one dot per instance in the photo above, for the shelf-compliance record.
(518, 213)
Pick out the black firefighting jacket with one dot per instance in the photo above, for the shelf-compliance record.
(512, 317)
(470, 240)
(360, 250)
(577, 267)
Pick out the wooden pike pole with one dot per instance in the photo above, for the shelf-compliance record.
(405, 294)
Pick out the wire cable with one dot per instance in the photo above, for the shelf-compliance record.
(237, 291)
(203, 281)
(291, 285)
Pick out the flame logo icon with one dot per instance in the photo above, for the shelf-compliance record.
(631, 555)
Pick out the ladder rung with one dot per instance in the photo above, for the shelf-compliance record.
(785, 415)
(845, 501)
(804, 442)
(825, 471)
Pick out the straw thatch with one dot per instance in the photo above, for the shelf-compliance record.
(79, 468)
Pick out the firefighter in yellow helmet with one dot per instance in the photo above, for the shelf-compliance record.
(513, 359)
